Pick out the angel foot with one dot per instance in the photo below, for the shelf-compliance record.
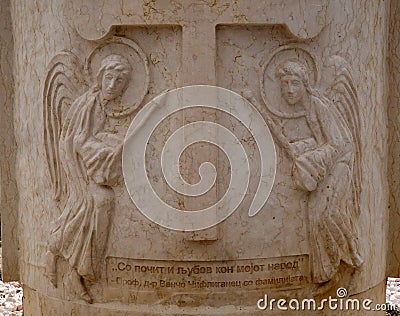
(77, 286)
(327, 286)
(51, 268)
(53, 278)
(87, 298)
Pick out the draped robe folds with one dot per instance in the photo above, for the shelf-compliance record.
(91, 167)
(324, 166)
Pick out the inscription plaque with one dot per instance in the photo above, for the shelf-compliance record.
(247, 274)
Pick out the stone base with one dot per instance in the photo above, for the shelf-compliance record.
(36, 303)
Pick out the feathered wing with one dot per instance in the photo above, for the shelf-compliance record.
(64, 83)
(343, 94)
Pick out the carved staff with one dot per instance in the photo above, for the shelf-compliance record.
(276, 132)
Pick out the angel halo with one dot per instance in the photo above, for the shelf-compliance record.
(138, 84)
(270, 81)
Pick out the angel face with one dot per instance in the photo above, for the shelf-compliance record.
(113, 83)
(293, 89)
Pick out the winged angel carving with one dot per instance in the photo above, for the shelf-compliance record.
(325, 155)
(84, 162)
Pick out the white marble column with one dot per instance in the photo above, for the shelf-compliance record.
(88, 249)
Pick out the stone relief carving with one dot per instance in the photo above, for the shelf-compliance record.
(324, 151)
(83, 157)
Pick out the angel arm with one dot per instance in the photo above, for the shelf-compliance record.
(313, 166)
(103, 162)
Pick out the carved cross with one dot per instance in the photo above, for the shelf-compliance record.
(199, 20)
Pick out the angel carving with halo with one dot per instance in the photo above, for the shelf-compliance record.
(324, 153)
(84, 158)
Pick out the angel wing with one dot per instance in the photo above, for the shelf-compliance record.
(343, 94)
(64, 83)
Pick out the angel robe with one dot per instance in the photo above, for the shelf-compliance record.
(324, 166)
(91, 166)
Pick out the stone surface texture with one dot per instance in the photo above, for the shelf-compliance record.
(317, 73)
(393, 265)
(8, 184)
